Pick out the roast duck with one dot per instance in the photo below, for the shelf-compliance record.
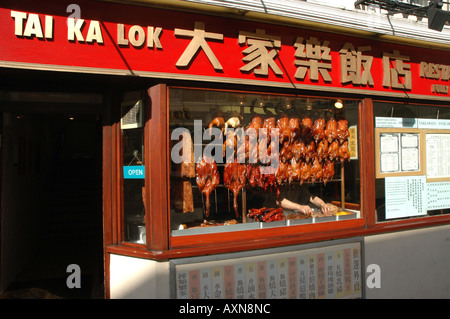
(234, 178)
(308, 151)
(207, 178)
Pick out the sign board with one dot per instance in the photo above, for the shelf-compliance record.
(134, 172)
(325, 272)
(111, 38)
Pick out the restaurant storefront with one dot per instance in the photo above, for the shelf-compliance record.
(239, 158)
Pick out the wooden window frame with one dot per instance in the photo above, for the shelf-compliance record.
(162, 246)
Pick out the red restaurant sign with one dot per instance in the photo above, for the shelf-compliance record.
(99, 37)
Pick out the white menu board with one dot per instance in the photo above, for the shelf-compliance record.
(438, 155)
(438, 195)
(406, 196)
(399, 152)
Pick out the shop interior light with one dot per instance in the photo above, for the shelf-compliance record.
(339, 104)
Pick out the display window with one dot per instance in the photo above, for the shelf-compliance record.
(133, 168)
(412, 160)
(245, 160)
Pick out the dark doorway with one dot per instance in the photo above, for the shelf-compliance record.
(52, 205)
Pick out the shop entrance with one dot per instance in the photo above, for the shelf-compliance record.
(51, 205)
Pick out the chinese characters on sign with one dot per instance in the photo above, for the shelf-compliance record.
(261, 52)
(356, 67)
(328, 272)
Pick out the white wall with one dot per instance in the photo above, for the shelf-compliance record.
(138, 278)
(413, 264)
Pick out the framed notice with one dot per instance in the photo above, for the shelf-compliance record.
(438, 155)
(406, 196)
(399, 152)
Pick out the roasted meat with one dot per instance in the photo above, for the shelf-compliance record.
(318, 129)
(343, 152)
(243, 149)
(272, 215)
(306, 126)
(293, 171)
(286, 152)
(234, 178)
(295, 129)
(253, 175)
(342, 131)
(256, 123)
(331, 130)
(269, 181)
(230, 145)
(322, 150)
(269, 123)
(233, 122)
(182, 196)
(305, 172)
(298, 151)
(217, 122)
(310, 152)
(266, 214)
(207, 178)
(283, 127)
(332, 152)
(282, 173)
(327, 171)
(316, 171)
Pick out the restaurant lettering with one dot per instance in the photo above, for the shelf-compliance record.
(313, 58)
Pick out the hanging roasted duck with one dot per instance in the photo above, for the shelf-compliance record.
(283, 127)
(310, 152)
(305, 172)
(282, 172)
(306, 125)
(293, 171)
(253, 175)
(256, 123)
(295, 129)
(332, 152)
(286, 152)
(218, 122)
(316, 171)
(322, 150)
(343, 152)
(207, 178)
(331, 130)
(234, 178)
(327, 171)
(342, 130)
(269, 124)
(318, 129)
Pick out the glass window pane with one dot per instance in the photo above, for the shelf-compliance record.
(133, 171)
(413, 162)
(242, 180)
